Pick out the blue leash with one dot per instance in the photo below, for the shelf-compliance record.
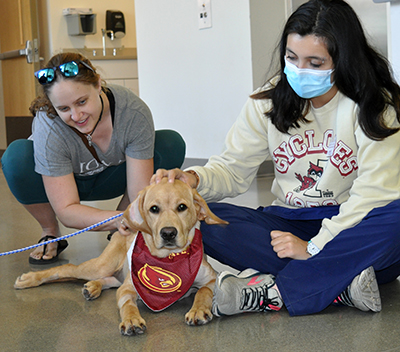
(62, 237)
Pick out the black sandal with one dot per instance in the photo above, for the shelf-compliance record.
(62, 244)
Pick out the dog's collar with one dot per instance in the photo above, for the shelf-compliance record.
(161, 282)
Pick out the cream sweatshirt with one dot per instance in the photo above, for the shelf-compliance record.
(329, 161)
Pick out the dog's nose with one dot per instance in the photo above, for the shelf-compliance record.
(168, 233)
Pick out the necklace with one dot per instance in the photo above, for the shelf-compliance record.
(89, 135)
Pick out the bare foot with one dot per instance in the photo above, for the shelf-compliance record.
(51, 250)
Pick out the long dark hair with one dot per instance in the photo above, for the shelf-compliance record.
(86, 76)
(361, 73)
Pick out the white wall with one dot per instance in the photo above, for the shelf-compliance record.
(195, 81)
(267, 19)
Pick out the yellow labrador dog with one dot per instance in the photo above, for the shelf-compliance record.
(165, 258)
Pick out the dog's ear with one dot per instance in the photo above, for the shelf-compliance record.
(204, 212)
(134, 214)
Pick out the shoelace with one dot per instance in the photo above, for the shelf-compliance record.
(257, 299)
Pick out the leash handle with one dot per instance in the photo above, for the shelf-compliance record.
(62, 237)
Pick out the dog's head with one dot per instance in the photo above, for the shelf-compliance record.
(166, 214)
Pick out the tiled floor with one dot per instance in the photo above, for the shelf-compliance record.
(56, 317)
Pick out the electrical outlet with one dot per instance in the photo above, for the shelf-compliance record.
(204, 13)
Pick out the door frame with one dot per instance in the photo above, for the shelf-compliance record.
(3, 136)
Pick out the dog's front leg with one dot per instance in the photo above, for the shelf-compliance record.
(200, 313)
(132, 322)
(92, 289)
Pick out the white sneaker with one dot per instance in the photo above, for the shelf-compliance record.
(362, 293)
(249, 291)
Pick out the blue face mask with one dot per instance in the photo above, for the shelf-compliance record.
(308, 83)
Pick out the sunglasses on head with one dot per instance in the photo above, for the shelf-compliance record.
(68, 69)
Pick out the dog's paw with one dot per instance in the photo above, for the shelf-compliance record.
(26, 281)
(198, 316)
(135, 326)
(92, 290)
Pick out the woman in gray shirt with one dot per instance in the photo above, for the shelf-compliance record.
(89, 142)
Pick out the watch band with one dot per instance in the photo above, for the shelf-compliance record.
(312, 249)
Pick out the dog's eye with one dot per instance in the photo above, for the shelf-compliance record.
(154, 209)
(182, 207)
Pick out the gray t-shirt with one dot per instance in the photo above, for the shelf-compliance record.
(58, 150)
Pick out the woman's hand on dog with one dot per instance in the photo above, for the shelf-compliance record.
(123, 228)
(174, 174)
(287, 245)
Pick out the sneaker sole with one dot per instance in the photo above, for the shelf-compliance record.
(220, 278)
(370, 290)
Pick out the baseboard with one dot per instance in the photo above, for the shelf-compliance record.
(266, 168)
(193, 162)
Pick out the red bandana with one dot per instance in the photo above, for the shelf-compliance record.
(161, 282)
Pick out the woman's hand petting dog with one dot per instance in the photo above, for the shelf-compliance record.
(174, 174)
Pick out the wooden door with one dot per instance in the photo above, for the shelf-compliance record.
(18, 26)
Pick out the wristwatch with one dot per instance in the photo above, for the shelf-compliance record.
(312, 249)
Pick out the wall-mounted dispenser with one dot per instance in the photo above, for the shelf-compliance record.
(80, 21)
(115, 22)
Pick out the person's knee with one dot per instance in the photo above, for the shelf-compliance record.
(19, 171)
(169, 150)
(17, 160)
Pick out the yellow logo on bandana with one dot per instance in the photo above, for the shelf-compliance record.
(158, 279)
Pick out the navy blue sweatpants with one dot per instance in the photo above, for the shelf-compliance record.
(306, 286)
